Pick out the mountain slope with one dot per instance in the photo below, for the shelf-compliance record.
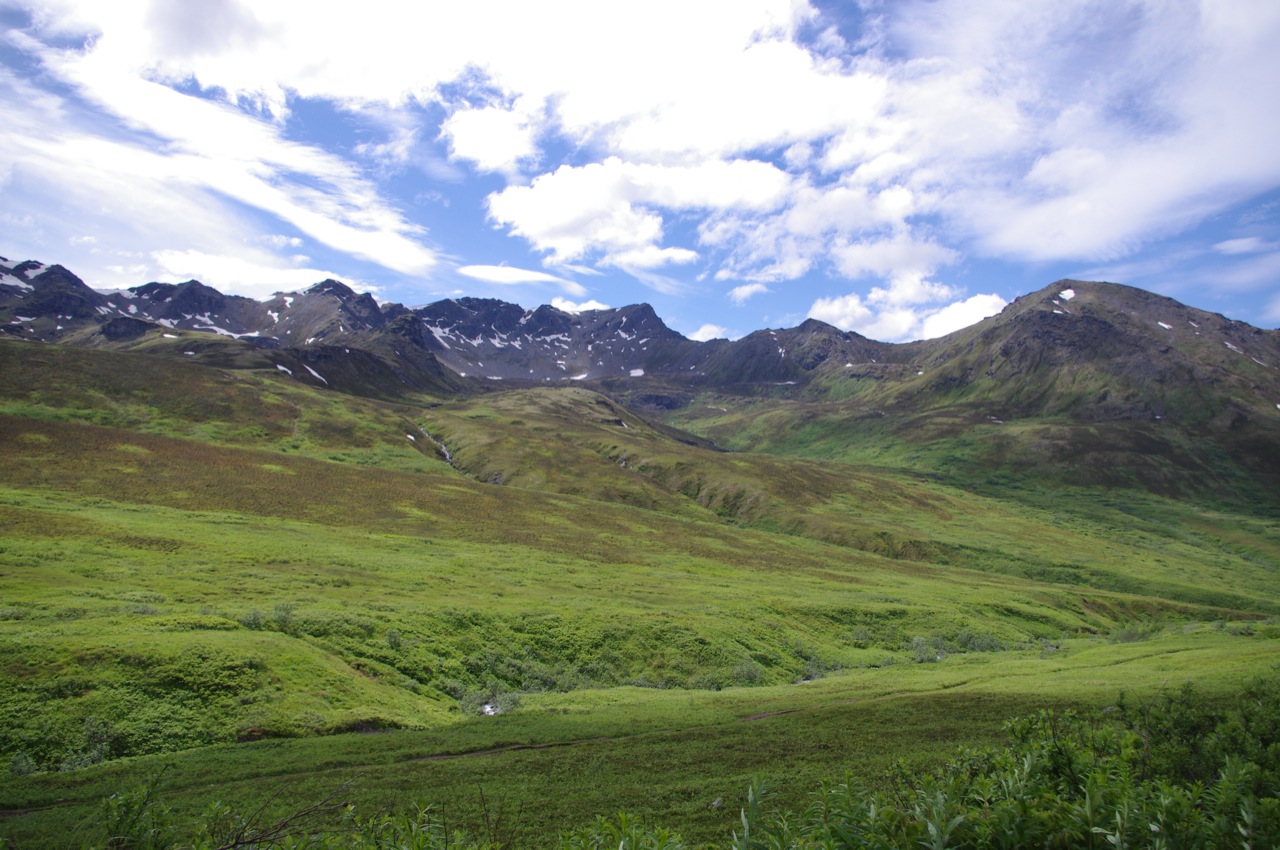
(1111, 387)
(1093, 384)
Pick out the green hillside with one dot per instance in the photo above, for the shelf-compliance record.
(245, 575)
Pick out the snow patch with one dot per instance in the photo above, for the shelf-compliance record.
(318, 375)
(170, 336)
(637, 373)
(1193, 324)
(210, 325)
(10, 280)
(284, 368)
(411, 437)
(189, 353)
(440, 334)
(1067, 294)
(581, 377)
(1166, 327)
(1232, 347)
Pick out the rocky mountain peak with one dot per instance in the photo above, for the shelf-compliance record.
(329, 286)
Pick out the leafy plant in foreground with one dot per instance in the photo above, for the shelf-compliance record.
(1173, 772)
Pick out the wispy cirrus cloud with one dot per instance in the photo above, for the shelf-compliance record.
(511, 276)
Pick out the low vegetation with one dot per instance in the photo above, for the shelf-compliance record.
(1174, 771)
(536, 607)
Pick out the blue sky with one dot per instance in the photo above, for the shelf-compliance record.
(901, 169)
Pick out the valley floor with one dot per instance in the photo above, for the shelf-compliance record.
(682, 759)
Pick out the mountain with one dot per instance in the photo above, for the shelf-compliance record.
(1097, 383)
(1090, 384)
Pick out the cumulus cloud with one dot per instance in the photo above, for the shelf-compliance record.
(960, 314)
(709, 332)
(899, 254)
(577, 307)
(897, 322)
(613, 208)
(740, 294)
(493, 138)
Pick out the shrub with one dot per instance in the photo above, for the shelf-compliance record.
(22, 765)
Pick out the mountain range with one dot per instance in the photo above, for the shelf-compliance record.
(1123, 386)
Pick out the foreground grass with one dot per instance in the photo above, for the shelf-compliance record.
(682, 759)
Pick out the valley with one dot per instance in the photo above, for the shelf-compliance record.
(534, 600)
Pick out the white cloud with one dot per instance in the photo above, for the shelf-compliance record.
(1245, 245)
(898, 255)
(188, 153)
(900, 322)
(495, 139)
(740, 294)
(611, 208)
(1074, 131)
(709, 332)
(238, 276)
(577, 307)
(650, 257)
(508, 275)
(1252, 273)
(512, 276)
(960, 314)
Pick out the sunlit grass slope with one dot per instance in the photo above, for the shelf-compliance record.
(191, 556)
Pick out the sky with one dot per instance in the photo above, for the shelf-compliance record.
(900, 168)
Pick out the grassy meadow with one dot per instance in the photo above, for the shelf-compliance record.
(279, 589)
